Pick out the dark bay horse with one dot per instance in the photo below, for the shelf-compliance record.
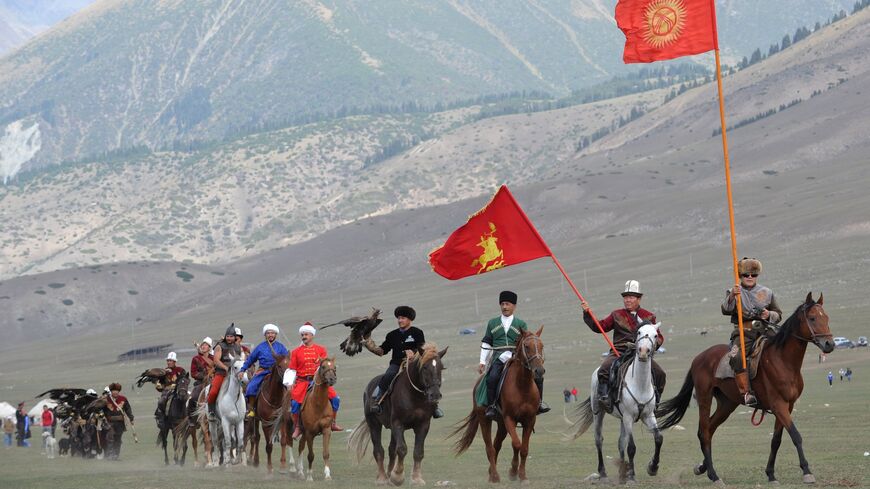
(777, 386)
(415, 394)
(317, 416)
(173, 416)
(269, 403)
(519, 405)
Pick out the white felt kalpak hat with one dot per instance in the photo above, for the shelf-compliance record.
(270, 327)
(207, 340)
(172, 356)
(307, 328)
(632, 287)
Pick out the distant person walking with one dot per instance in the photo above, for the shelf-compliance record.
(830, 378)
(574, 394)
(849, 374)
(23, 425)
(567, 394)
(842, 372)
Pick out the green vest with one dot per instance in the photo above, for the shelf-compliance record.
(500, 337)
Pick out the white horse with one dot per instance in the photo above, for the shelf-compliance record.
(230, 410)
(637, 402)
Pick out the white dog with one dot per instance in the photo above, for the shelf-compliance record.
(50, 444)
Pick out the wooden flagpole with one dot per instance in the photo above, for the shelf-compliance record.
(728, 191)
(559, 266)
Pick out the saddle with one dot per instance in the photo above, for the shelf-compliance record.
(386, 394)
(724, 370)
(618, 369)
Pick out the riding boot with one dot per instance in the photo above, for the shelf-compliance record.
(212, 414)
(297, 426)
(375, 407)
(252, 409)
(335, 426)
(438, 413)
(603, 396)
(543, 407)
(742, 381)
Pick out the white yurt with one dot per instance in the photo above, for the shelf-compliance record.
(36, 411)
(6, 409)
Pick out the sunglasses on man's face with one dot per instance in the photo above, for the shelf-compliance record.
(749, 275)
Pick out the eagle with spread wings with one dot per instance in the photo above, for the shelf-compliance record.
(72, 401)
(154, 375)
(361, 328)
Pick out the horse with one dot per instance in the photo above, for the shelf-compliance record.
(230, 411)
(519, 405)
(171, 417)
(317, 416)
(414, 397)
(778, 385)
(269, 404)
(188, 429)
(637, 402)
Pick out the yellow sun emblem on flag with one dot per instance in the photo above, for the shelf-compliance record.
(664, 21)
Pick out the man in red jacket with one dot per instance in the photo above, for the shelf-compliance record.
(624, 323)
(47, 424)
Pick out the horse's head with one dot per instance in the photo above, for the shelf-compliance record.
(327, 371)
(280, 365)
(429, 365)
(645, 343)
(814, 323)
(530, 352)
(182, 387)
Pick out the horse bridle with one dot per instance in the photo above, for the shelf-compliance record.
(813, 334)
(539, 352)
(652, 349)
(411, 381)
(334, 368)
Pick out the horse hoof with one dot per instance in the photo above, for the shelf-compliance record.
(309, 478)
(809, 479)
(525, 482)
(381, 482)
(719, 483)
(397, 480)
(630, 482)
(495, 479)
(699, 469)
(652, 470)
(512, 476)
(418, 482)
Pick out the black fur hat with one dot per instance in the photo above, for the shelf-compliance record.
(406, 311)
(114, 386)
(507, 296)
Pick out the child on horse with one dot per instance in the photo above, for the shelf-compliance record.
(759, 309)
(304, 362)
(624, 323)
(264, 356)
(501, 335)
(403, 342)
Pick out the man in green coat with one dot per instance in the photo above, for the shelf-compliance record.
(501, 337)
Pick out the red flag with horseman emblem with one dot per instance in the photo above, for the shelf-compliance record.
(497, 236)
(656, 30)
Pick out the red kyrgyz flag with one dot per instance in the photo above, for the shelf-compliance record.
(656, 30)
(497, 236)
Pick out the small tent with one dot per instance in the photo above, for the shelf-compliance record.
(6, 409)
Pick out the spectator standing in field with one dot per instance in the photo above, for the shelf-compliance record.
(830, 378)
(8, 431)
(849, 374)
(47, 424)
(23, 425)
(567, 394)
(574, 394)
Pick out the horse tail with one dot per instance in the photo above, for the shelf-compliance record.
(470, 425)
(584, 410)
(674, 409)
(358, 441)
(179, 435)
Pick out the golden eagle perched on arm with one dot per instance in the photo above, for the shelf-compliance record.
(361, 328)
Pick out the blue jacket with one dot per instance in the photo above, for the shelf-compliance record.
(262, 354)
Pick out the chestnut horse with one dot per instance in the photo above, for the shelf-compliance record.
(777, 386)
(317, 416)
(519, 405)
(269, 403)
(414, 396)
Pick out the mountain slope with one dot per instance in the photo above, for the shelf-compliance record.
(131, 73)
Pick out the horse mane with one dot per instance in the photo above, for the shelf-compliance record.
(429, 351)
(790, 325)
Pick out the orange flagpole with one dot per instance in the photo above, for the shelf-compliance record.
(730, 199)
(564, 274)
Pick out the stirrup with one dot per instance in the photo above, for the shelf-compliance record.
(491, 412)
(750, 400)
(438, 413)
(543, 407)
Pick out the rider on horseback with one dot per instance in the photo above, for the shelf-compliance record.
(199, 368)
(403, 341)
(759, 310)
(501, 335)
(624, 324)
(304, 362)
(167, 386)
(227, 351)
(264, 355)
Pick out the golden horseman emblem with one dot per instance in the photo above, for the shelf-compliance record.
(492, 257)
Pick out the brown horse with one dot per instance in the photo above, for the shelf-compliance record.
(199, 424)
(269, 403)
(777, 386)
(414, 396)
(519, 405)
(317, 416)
